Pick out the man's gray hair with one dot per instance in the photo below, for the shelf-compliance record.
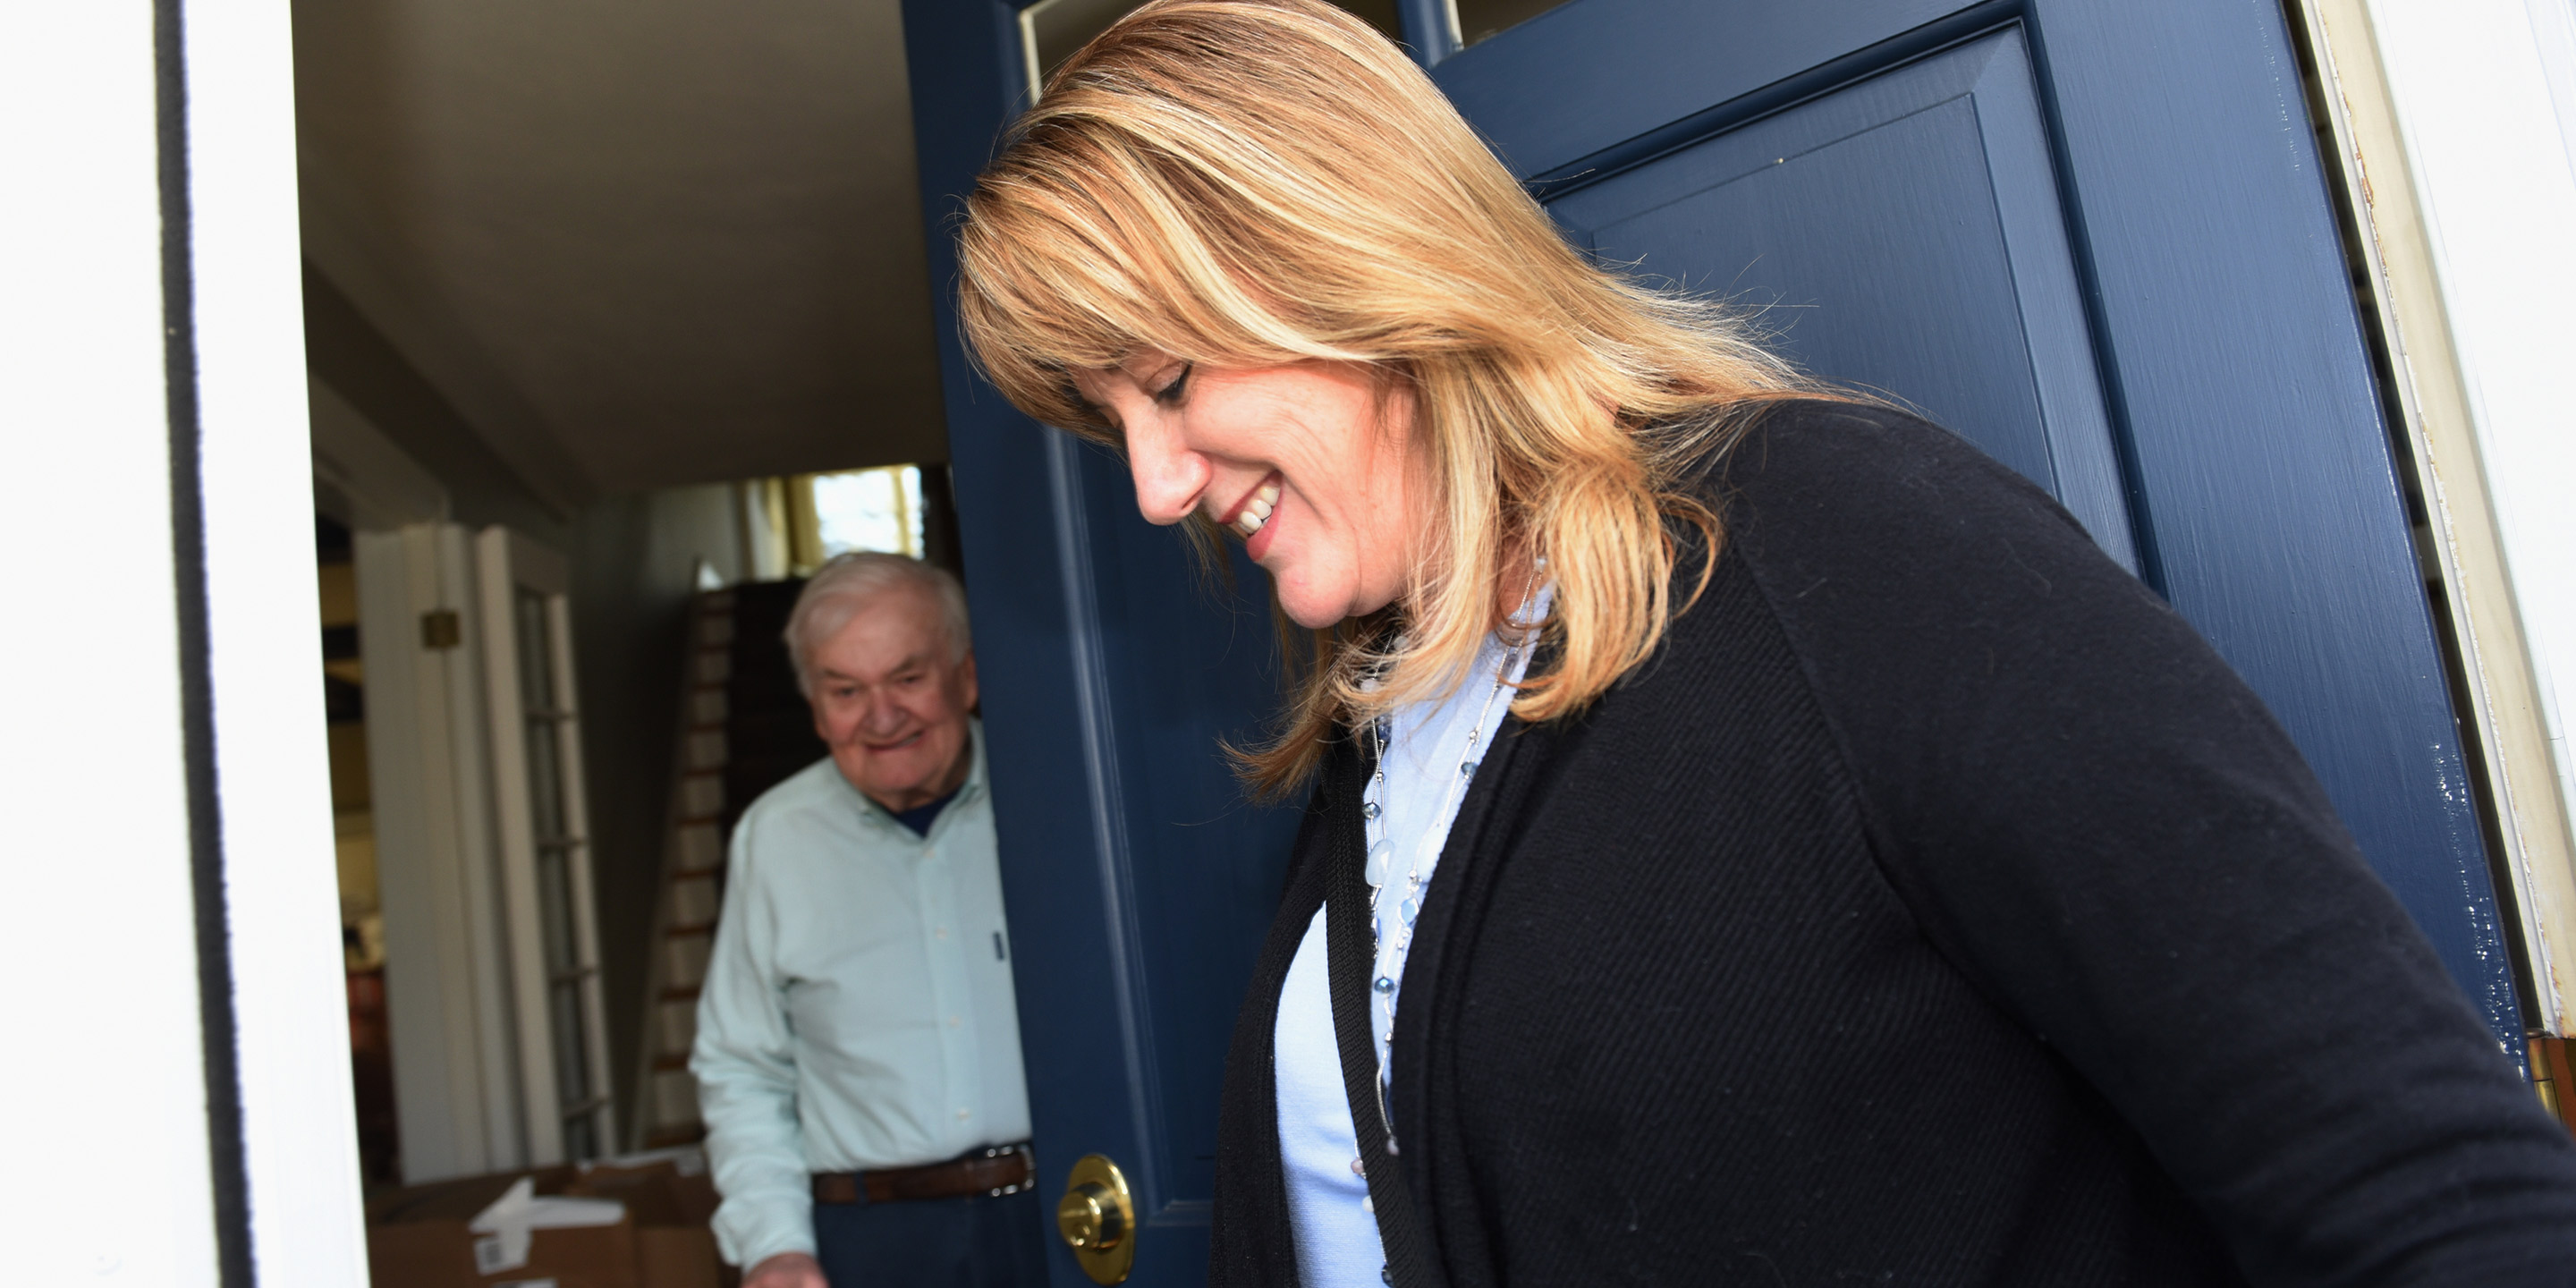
(847, 582)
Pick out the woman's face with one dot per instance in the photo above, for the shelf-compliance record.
(1308, 463)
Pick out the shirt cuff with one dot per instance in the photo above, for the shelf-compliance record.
(753, 1228)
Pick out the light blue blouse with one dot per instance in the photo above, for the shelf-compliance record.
(1427, 752)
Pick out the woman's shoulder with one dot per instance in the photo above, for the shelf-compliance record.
(1839, 462)
(1821, 491)
(1889, 549)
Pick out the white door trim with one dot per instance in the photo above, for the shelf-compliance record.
(180, 966)
(279, 874)
(95, 774)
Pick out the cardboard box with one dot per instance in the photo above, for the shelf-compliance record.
(670, 1256)
(673, 1246)
(417, 1237)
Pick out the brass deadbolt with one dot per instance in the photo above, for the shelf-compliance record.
(1097, 1218)
(1089, 1217)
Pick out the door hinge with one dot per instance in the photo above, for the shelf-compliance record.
(441, 628)
(2550, 1076)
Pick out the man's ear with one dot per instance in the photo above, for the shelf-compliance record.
(967, 692)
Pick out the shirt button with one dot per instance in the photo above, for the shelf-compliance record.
(955, 1020)
(963, 1115)
(942, 932)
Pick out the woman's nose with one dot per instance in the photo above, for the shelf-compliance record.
(1169, 478)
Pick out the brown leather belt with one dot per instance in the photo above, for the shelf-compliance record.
(994, 1171)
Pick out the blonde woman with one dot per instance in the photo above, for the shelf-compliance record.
(1751, 835)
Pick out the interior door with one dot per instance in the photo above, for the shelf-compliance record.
(457, 1082)
(541, 817)
(2092, 236)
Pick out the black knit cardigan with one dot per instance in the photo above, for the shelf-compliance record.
(1935, 907)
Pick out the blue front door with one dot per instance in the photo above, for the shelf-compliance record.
(2091, 236)
(2096, 239)
(1137, 880)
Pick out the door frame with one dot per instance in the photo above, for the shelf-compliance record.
(2434, 193)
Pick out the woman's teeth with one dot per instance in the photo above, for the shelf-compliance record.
(1257, 510)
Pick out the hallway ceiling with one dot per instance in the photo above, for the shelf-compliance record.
(637, 244)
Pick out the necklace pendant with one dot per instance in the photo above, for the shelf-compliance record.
(1409, 909)
(1375, 871)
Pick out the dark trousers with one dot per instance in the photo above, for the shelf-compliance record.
(978, 1242)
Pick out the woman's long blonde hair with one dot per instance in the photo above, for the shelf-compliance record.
(1253, 183)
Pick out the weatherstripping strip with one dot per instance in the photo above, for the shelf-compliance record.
(229, 1175)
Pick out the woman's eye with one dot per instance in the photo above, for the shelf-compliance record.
(1171, 393)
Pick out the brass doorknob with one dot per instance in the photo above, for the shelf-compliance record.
(1098, 1218)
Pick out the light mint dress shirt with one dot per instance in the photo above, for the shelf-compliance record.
(858, 1011)
(1428, 767)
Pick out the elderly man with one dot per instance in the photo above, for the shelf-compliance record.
(858, 1051)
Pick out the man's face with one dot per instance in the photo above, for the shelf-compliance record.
(892, 704)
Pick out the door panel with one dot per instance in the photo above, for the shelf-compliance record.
(2237, 387)
(1194, 658)
(1671, 59)
(1902, 234)
(1171, 662)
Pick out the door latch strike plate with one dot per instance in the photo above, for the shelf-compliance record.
(441, 628)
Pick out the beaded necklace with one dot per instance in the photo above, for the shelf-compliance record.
(1381, 852)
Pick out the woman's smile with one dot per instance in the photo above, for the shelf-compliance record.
(1255, 507)
(1311, 464)
(1252, 517)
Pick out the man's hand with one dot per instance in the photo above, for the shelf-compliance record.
(786, 1270)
